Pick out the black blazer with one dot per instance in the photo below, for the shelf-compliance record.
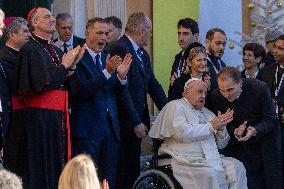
(213, 73)
(141, 80)
(175, 65)
(5, 103)
(78, 41)
(267, 74)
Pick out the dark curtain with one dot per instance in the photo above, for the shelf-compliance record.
(22, 7)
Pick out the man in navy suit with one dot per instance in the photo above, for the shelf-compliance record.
(66, 40)
(215, 45)
(141, 80)
(94, 121)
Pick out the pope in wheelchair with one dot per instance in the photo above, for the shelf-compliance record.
(192, 135)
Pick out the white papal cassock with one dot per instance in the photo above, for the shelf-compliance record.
(191, 141)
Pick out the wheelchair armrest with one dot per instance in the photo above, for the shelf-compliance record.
(164, 156)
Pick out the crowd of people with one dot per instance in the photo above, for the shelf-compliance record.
(65, 97)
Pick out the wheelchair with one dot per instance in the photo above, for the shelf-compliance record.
(159, 174)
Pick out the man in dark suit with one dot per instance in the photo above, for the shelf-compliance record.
(273, 75)
(188, 33)
(141, 80)
(94, 121)
(215, 45)
(254, 132)
(66, 39)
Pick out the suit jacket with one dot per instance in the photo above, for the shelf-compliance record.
(243, 74)
(94, 106)
(5, 104)
(213, 72)
(267, 75)
(141, 80)
(175, 65)
(76, 41)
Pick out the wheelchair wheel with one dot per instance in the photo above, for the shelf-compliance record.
(153, 179)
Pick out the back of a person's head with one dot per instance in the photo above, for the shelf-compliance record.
(9, 180)
(79, 173)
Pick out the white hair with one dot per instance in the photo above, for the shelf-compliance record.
(186, 85)
(2, 16)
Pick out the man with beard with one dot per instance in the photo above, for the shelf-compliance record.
(215, 45)
(188, 33)
(273, 75)
(254, 132)
(16, 34)
(66, 39)
(44, 78)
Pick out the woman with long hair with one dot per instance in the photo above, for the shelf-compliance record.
(79, 173)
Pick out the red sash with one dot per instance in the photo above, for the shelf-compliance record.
(18, 103)
(53, 100)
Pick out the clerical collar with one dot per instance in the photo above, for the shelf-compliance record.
(134, 44)
(41, 39)
(68, 43)
(92, 53)
(13, 49)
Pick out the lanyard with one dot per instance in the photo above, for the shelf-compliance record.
(2, 70)
(215, 69)
(277, 88)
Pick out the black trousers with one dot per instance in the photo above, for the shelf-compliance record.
(129, 161)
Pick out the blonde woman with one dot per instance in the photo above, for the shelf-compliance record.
(196, 67)
(80, 173)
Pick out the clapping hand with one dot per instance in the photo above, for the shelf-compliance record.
(173, 78)
(221, 120)
(105, 184)
(251, 131)
(112, 63)
(69, 58)
(243, 133)
(239, 132)
(207, 80)
(79, 56)
(123, 68)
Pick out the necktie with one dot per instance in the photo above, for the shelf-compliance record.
(99, 66)
(216, 63)
(140, 53)
(65, 50)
